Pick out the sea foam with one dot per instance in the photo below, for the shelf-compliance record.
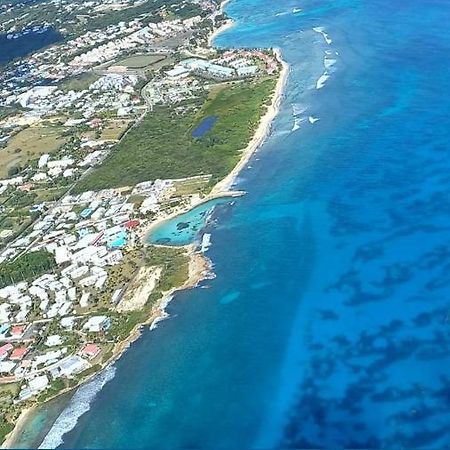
(321, 30)
(321, 81)
(329, 62)
(79, 404)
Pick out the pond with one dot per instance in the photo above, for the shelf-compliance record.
(16, 45)
(205, 125)
(185, 228)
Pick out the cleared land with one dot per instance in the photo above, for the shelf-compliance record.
(140, 61)
(29, 144)
(162, 146)
(192, 185)
(79, 83)
(114, 130)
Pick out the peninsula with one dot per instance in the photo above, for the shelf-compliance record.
(131, 118)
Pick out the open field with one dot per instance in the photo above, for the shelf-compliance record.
(140, 61)
(162, 146)
(49, 194)
(79, 82)
(29, 144)
(10, 389)
(114, 130)
(191, 185)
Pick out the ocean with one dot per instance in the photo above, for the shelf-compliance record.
(328, 323)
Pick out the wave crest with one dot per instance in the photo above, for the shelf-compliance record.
(79, 404)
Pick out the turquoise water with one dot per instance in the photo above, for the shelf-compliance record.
(327, 325)
(205, 125)
(185, 228)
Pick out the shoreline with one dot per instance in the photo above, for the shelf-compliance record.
(228, 24)
(200, 267)
(261, 133)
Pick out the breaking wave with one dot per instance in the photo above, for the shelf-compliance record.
(79, 404)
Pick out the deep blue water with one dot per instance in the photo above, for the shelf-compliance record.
(328, 322)
(204, 126)
(25, 44)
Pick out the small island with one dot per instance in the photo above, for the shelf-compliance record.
(130, 119)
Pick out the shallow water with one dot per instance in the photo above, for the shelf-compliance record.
(185, 228)
(328, 322)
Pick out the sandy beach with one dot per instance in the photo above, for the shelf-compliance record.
(226, 26)
(262, 131)
(21, 421)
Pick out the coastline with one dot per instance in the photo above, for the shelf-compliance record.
(261, 133)
(199, 266)
(229, 23)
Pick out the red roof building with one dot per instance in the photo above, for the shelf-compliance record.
(132, 224)
(17, 331)
(4, 349)
(90, 350)
(18, 353)
(26, 187)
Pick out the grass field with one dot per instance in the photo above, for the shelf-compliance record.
(29, 144)
(114, 130)
(10, 389)
(191, 185)
(162, 146)
(79, 83)
(140, 61)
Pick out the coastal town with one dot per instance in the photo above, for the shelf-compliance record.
(77, 274)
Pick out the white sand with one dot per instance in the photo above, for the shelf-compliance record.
(261, 132)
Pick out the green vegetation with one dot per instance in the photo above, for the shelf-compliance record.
(79, 82)
(79, 19)
(162, 146)
(56, 386)
(114, 129)
(88, 372)
(27, 145)
(5, 428)
(175, 272)
(174, 263)
(7, 111)
(26, 267)
(192, 185)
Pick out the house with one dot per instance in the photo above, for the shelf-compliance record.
(38, 384)
(4, 327)
(90, 351)
(130, 224)
(18, 353)
(4, 350)
(7, 366)
(67, 322)
(247, 71)
(53, 340)
(73, 365)
(17, 331)
(97, 323)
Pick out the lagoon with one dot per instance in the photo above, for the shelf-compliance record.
(185, 228)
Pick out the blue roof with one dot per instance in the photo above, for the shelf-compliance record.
(120, 239)
(86, 213)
